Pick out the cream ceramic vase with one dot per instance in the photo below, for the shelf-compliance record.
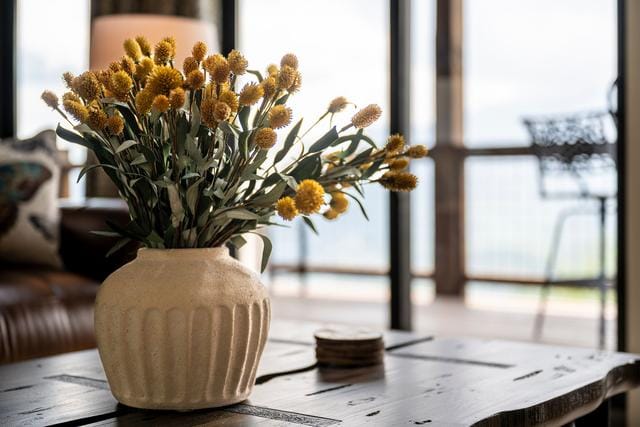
(181, 329)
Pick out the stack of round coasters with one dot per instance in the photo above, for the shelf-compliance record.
(349, 347)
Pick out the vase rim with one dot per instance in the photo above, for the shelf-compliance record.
(182, 253)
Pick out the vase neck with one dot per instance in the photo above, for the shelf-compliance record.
(182, 254)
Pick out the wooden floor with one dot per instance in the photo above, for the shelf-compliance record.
(449, 317)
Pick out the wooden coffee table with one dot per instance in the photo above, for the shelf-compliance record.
(424, 381)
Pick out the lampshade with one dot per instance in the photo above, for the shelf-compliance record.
(109, 32)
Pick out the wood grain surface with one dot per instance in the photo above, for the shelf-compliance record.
(424, 381)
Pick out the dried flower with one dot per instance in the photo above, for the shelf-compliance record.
(198, 51)
(331, 214)
(297, 83)
(97, 118)
(367, 116)
(87, 86)
(338, 104)
(50, 98)
(272, 70)
(309, 197)
(189, 64)
(289, 60)
(221, 111)
(145, 47)
(128, 65)
(115, 125)
(207, 109)
(265, 138)
(286, 77)
(163, 80)
(395, 144)
(195, 80)
(339, 202)
(115, 66)
(237, 63)
(417, 151)
(218, 66)
(279, 116)
(399, 164)
(160, 103)
(121, 84)
(144, 68)
(70, 96)
(177, 98)
(76, 110)
(250, 94)
(230, 98)
(132, 49)
(163, 52)
(399, 181)
(268, 86)
(286, 208)
(144, 98)
(68, 78)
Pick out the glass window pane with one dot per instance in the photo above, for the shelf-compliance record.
(533, 57)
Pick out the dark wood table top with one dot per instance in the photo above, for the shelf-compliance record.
(424, 381)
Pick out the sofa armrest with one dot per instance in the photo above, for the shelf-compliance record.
(84, 252)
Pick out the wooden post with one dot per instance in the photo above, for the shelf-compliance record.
(7, 69)
(448, 153)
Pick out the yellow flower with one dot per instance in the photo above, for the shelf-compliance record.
(218, 66)
(395, 144)
(272, 70)
(76, 110)
(339, 202)
(286, 77)
(189, 64)
(286, 208)
(399, 181)
(399, 164)
(144, 68)
(177, 98)
(367, 116)
(161, 103)
(50, 98)
(97, 118)
(331, 214)
(279, 116)
(289, 60)
(250, 94)
(121, 84)
(115, 66)
(128, 65)
(295, 86)
(115, 125)
(199, 50)
(145, 47)
(87, 86)
(230, 98)
(172, 43)
(222, 111)
(132, 48)
(237, 63)
(68, 78)
(268, 86)
(163, 52)
(417, 151)
(70, 96)
(144, 98)
(207, 109)
(195, 80)
(163, 80)
(337, 105)
(265, 138)
(309, 197)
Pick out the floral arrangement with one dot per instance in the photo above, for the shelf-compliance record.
(195, 158)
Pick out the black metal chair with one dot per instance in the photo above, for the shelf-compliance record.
(574, 147)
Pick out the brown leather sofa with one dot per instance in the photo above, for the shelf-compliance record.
(45, 311)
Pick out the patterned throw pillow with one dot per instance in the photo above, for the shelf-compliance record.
(29, 214)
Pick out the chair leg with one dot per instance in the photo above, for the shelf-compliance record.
(602, 277)
(550, 267)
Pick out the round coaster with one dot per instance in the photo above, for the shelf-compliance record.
(347, 335)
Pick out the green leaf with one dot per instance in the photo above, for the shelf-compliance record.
(266, 251)
(257, 74)
(359, 203)
(86, 169)
(243, 116)
(75, 138)
(325, 141)
(127, 144)
(105, 233)
(309, 167)
(238, 241)
(310, 224)
(288, 142)
(268, 199)
(282, 100)
(192, 195)
(241, 213)
(195, 120)
(119, 245)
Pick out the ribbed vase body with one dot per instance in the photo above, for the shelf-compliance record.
(181, 329)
